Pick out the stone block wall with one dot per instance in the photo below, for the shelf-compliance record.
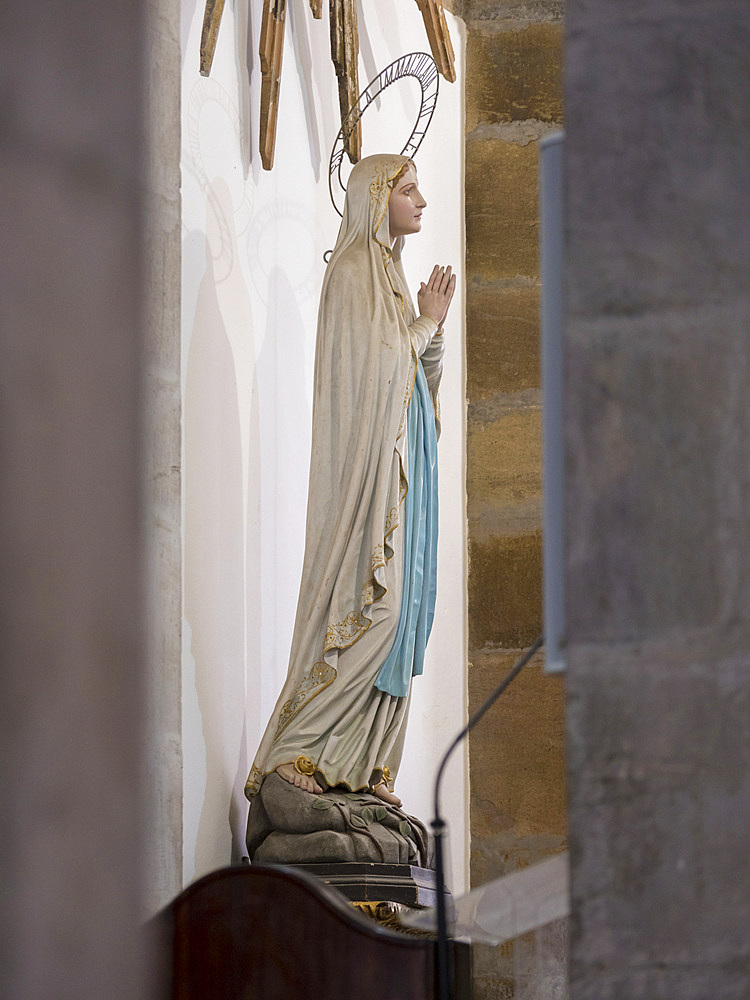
(658, 437)
(513, 97)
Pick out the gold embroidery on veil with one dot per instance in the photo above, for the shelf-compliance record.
(380, 192)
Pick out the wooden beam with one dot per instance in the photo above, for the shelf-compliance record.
(211, 21)
(271, 54)
(345, 53)
(316, 6)
(433, 16)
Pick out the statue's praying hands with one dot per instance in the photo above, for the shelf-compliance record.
(434, 297)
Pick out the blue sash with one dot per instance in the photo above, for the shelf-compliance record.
(417, 612)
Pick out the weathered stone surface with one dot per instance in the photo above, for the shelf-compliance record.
(533, 967)
(692, 244)
(288, 826)
(515, 75)
(482, 13)
(502, 210)
(505, 591)
(659, 744)
(658, 499)
(503, 475)
(502, 338)
(513, 90)
(518, 813)
(658, 466)
(518, 769)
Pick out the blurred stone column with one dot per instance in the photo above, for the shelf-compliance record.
(658, 517)
(71, 589)
(163, 456)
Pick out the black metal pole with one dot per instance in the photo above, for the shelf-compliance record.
(444, 971)
(444, 984)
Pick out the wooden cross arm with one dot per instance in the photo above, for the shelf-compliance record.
(433, 16)
(345, 53)
(271, 53)
(211, 21)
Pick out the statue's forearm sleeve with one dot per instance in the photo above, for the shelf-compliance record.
(432, 362)
(422, 331)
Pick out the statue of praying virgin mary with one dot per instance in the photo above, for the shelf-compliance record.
(367, 596)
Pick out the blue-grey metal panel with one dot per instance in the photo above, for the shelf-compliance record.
(552, 251)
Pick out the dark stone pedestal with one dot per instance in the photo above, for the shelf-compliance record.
(372, 882)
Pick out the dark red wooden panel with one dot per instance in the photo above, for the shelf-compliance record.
(256, 933)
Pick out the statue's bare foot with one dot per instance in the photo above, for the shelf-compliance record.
(383, 792)
(306, 782)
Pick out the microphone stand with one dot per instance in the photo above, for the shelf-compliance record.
(444, 971)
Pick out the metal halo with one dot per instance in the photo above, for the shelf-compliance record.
(423, 68)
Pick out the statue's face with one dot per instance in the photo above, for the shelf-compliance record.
(405, 205)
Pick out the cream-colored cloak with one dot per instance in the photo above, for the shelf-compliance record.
(369, 340)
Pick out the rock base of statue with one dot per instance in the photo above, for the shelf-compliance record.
(289, 826)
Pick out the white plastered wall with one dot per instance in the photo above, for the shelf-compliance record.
(252, 251)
